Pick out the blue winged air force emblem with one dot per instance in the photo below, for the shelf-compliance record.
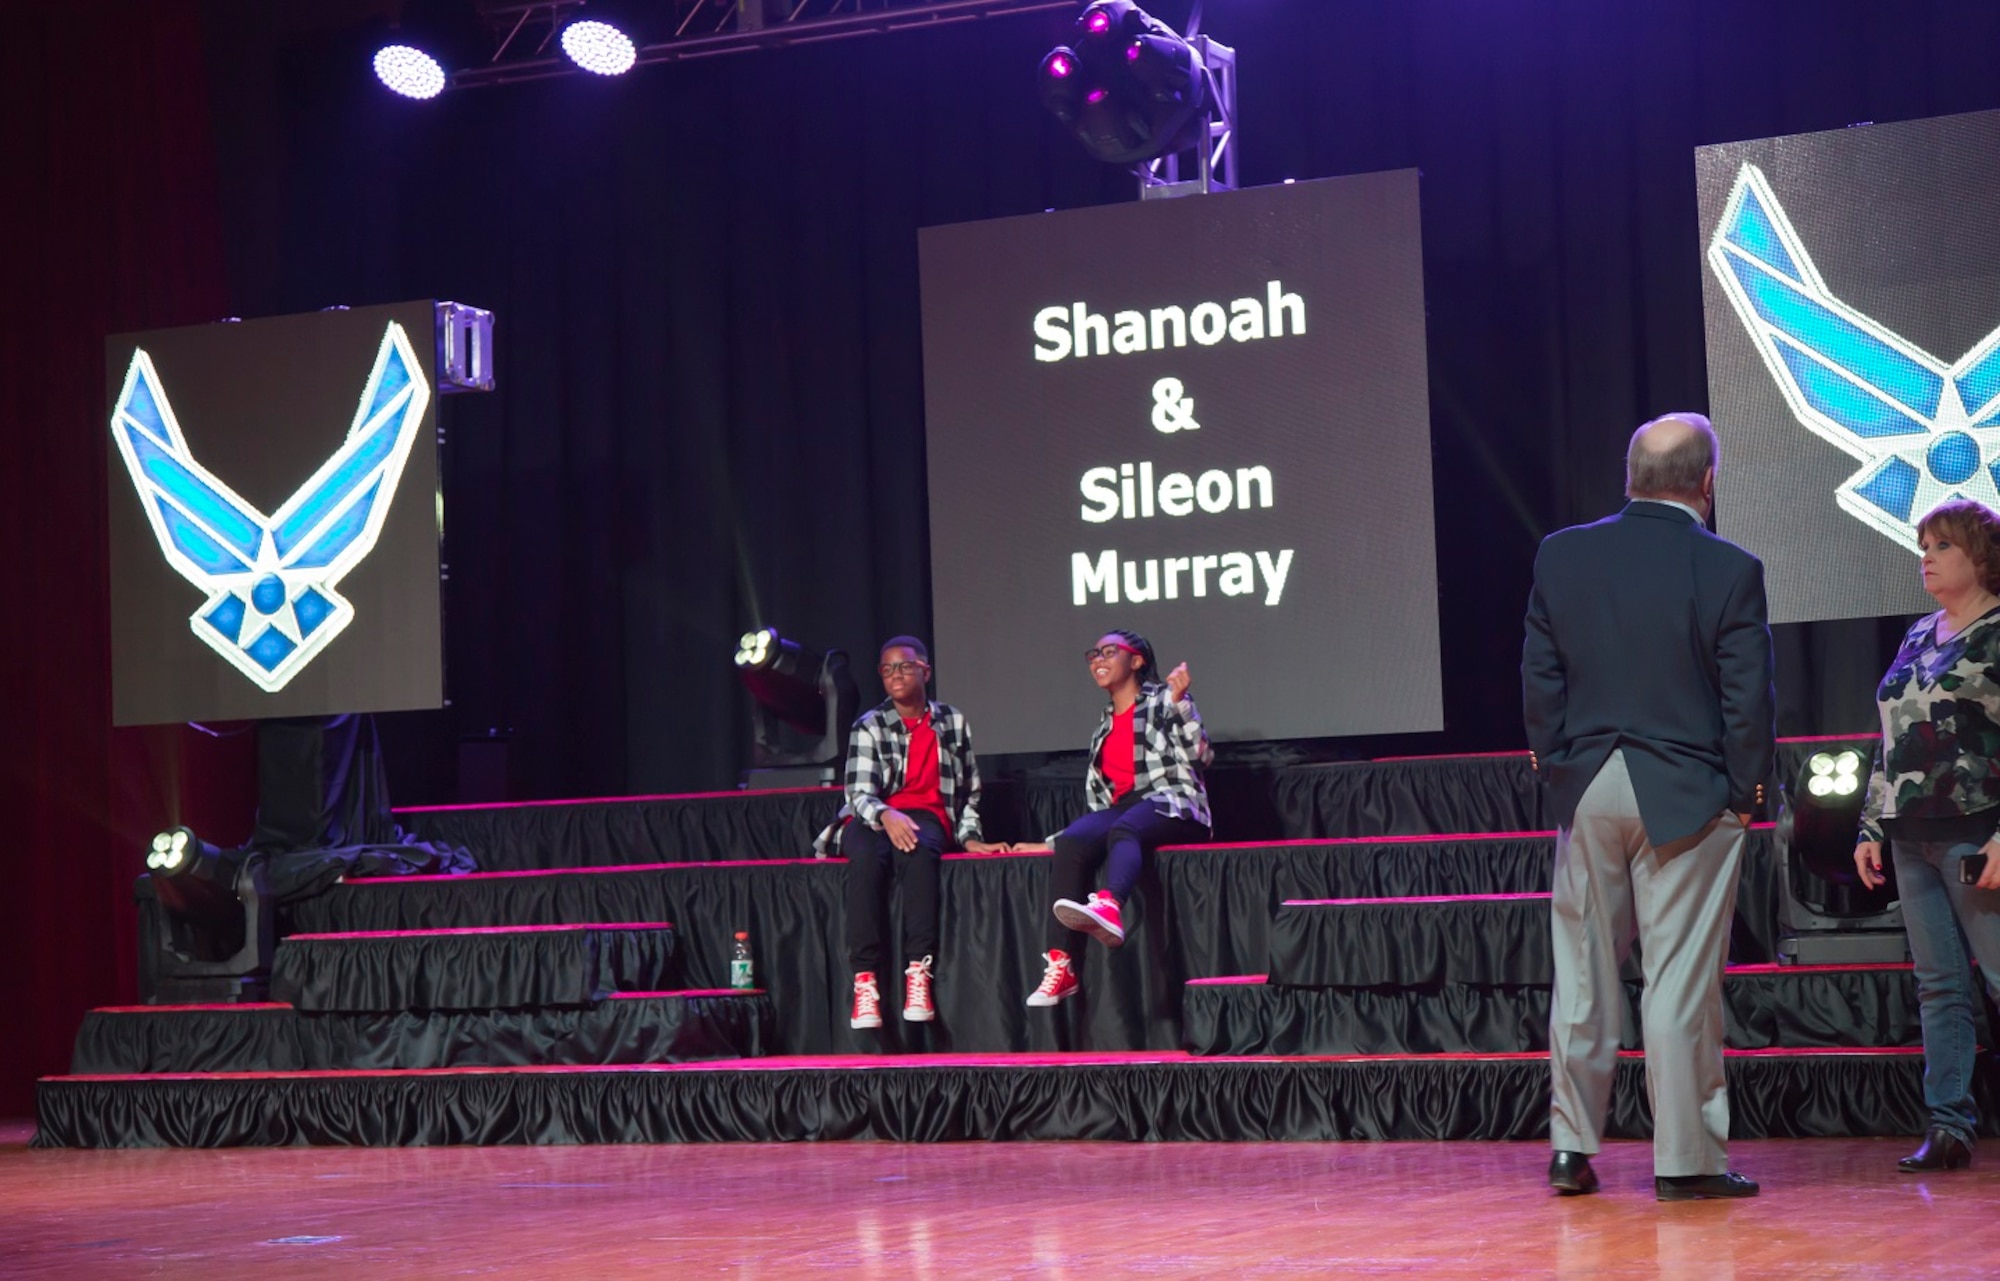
(1923, 431)
(271, 602)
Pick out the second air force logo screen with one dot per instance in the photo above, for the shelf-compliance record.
(274, 517)
(1851, 286)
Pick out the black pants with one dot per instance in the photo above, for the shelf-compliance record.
(1119, 839)
(873, 862)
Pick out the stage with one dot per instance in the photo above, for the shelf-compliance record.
(968, 1211)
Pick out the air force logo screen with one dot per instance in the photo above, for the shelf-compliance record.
(1853, 317)
(263, 492)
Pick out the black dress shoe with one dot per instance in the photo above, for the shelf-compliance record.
(1571, 1175)
(1702, 1187)
(1942, 1150)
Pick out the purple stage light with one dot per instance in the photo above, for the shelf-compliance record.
(1060, 67)
(409, 71)
(1096, 95)
(599, 48)
(1098, 22)
(1132, 51)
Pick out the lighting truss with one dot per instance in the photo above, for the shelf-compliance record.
(524, 35)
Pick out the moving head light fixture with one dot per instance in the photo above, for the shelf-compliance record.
(791, 685)
(217, 937)
(1134, 92)
(1826, 915)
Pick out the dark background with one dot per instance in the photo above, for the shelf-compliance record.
(263, 405)
(1897, 218)
(1337, 415)
(710, 405)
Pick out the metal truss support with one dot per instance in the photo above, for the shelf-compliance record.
(1214, 151)
(525, 46)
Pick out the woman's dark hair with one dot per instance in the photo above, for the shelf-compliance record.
(1150, 673)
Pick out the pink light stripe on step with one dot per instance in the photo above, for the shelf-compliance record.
(482, 929)
(1435, 898)
(738, 794)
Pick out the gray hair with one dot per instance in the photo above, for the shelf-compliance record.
(1676, 470)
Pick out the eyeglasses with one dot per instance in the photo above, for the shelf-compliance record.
(1107, 652)
(899, 669)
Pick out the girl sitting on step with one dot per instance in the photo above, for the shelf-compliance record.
(1145, 790)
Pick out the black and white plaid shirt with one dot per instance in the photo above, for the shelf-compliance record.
(878, 756)
(1169, 751)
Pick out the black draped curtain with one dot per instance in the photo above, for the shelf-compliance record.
(710, 405)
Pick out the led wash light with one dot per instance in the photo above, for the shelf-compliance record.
(599, 48)
(409, 71)
(1924, 431)
(270, 580)
(1828, 774)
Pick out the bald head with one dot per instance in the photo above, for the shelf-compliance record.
(1672, 457)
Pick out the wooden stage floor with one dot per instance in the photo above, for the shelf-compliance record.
(958, 1212)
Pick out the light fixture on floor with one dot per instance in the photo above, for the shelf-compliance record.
(1825, 914)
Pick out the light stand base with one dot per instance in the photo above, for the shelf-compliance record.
(1844, 947)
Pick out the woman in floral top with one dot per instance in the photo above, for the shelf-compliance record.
(1935, 795)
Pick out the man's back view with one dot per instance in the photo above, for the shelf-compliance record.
(1646, 682)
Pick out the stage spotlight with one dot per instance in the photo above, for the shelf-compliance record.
(811, 693)
(599, 47)
(1827, 914)
(216, 941)
(408, 70)
(428, 40)
(1131, 89)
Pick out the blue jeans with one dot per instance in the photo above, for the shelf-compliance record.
(1943, 917)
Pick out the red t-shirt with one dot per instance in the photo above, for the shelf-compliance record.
(1115, 761)
(920, 773)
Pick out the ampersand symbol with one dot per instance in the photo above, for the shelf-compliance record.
(1172, 411)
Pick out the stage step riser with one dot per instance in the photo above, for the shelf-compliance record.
(671, 1028)
(474, 970)
(1412, 796)
(1771, 1096)
(1413, 942)
(1763, 1010)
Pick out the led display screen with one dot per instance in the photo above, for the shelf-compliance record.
(274, 517)
(1204, 420)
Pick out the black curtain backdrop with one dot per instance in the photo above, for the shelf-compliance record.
(709, 412)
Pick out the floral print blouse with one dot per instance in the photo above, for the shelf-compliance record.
(1939, 757)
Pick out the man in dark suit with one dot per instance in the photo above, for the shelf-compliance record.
(1646, 685)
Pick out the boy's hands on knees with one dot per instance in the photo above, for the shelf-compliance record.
(902, 829)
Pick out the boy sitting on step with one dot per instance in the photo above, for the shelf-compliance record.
(912, 792)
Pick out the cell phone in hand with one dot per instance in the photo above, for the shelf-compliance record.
(1971, 868)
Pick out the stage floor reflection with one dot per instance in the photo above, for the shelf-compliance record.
(975, 1210)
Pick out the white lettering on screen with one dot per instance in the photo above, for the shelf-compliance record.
(1072, 330)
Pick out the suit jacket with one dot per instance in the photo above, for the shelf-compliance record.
(1647, 632)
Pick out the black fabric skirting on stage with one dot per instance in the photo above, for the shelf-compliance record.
(1413, 943)
(993, 911)
(1218, 901)
(473, 970)
(1775, 1096)
(671, 1028)
(1812, 1009)
(1217, 916)
(517, 838)
(1415, 797)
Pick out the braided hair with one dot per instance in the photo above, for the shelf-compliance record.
(1149, 675)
